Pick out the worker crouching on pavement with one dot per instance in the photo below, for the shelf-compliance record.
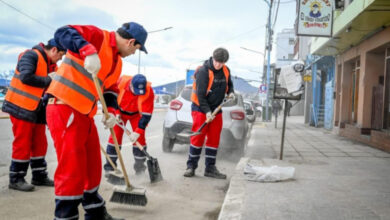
(212, 83)
(24, 102)
(73, 103)
(135, 104)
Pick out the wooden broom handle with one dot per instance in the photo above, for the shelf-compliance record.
(105, 111)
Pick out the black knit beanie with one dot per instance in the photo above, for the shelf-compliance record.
(221, 55)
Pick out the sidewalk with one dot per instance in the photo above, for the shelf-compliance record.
(335, 178)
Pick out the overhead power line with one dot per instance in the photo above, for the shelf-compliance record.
(32, 18)
(287, 2)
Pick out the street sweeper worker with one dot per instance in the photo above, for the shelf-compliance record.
(72, 105)
(135, 104)
(212, 83)
(25, 105)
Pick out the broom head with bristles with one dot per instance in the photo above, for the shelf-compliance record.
(115, 178)
(130, 196)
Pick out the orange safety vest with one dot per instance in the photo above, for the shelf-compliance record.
(25, 96)
(74, 85)
(123, 84)
(194, 95)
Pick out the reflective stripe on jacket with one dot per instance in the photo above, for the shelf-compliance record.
(74, 85)
(25, 96)
(194, 95)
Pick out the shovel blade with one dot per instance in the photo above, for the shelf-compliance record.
(154, 170)
(195, 133)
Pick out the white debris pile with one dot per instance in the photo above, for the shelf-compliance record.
(268, 174)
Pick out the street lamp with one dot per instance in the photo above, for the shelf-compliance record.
(139, 51)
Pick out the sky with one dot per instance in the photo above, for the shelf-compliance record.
(198, 27)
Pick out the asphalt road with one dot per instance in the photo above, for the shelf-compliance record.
(176, 197)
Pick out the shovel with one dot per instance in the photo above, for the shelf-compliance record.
(152, 163)
(225, 100)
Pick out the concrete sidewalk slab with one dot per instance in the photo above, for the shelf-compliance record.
(335, 178)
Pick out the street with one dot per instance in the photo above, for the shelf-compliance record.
(176, 197)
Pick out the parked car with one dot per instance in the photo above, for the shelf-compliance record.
(250, 111)
(178, 122)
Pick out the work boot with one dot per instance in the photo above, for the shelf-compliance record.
(21, 185)
(139, 167)
(212, 171)
(45, 181)
(190, 172)
(107, 216)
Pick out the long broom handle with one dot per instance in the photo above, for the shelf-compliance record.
(105, 111)
(128, 133)
(108, 158)
(213, 114)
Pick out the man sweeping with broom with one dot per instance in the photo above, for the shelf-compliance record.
(135, 105)
(91, 53)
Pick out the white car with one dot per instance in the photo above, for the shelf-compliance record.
(178, 122)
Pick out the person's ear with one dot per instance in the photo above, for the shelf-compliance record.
(131, 42)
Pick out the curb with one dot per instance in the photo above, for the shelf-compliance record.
(234, 199)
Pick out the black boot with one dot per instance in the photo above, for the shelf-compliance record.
(139, 167)
(21, 185)
(42, 181)
(107, 216)
(212, 171)
(190, 172)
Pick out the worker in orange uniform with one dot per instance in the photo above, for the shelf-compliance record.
(25, 105)
(135, 104)
(212, 83)
(72, 105)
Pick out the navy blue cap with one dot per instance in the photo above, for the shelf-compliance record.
(138, 32)
(53, 43)
(139, 84)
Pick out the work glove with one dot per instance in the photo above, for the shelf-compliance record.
(118, 118)
(110, 121)
(51, 75)
(92, 63)
(231, 96)
(134, 137)
(209, 116)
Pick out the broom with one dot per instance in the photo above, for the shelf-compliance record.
(114, 177)
(129, 194)
(153, 166)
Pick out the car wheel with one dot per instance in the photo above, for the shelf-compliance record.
(167, 144)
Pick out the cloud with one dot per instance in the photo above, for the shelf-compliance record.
(198, 28)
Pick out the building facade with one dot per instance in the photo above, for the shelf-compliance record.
(360, 46)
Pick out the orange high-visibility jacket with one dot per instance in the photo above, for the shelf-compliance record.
(194, 95)
(123, 85)
(25, 96)
(74, 85)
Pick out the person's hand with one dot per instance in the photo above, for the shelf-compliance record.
(231, 96)
(118, 118)
(134, 137)
(52, 74)
(109, 122)
(92, 63)
(209, 116)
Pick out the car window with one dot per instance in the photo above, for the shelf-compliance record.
(186, 93)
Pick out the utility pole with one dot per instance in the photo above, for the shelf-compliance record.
(268, 48)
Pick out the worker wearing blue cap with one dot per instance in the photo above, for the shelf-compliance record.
(135, 104)
(91, 51)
